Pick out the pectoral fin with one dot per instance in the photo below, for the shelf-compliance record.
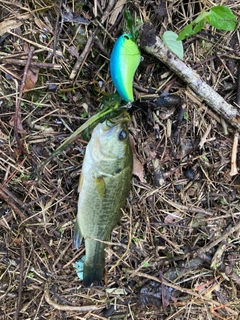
(101, 187)
(80, 183)
(77, 237)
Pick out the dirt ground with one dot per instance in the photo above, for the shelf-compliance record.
(175, 253)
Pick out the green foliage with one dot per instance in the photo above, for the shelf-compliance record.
(84, 115)
(205, 158)
(223, 201)
(63, 96)
(19, 178)
(131, 26)
(30, 274)
(220, 17)
(170, 39)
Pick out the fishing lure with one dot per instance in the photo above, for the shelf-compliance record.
(124, 60)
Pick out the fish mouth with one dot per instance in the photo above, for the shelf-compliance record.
(122, 120)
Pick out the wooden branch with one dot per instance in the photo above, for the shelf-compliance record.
(234, 169)
(82, 58)
(155, 46)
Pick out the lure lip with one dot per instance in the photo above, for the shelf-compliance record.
(124, 60)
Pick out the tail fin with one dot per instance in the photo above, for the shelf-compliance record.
(94, 264)
(92, 274)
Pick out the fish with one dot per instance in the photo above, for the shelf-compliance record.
(104, 186)
(124, 60)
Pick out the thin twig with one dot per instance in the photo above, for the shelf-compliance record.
(128, 245)
(180, 206)
(223, 237)
(238, 85)
(10, 199)
(35, 64)
(22, 254)
(36, 44)
(82, 58)
(13, 74)
(66, 307)
(47, 247)
(6, 196)
(17, 119)
(204, 137)
(107, 11)
(169, 284)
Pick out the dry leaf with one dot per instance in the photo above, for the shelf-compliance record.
(73, 51)
(19, 124)
(138, 169)
(31, 79)
(8, 25)
(116, 10)
(156, 294)
(26, 47)
(3, 136)
(170, 218)
(68, 16)
(41, 25)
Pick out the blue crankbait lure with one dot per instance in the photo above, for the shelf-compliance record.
(124, 60)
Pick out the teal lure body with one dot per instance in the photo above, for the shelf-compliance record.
(124, 60)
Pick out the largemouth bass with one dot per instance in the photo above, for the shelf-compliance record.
(104, 186)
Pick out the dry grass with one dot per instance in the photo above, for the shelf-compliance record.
(179, 238)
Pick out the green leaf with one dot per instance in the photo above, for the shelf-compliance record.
(198, 27)
(192, 28)
(222, 18)
(130, 24)
(186, 32)
(129, 19)
(170, 39)
(201, 16)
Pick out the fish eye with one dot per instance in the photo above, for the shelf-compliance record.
(122, 135)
